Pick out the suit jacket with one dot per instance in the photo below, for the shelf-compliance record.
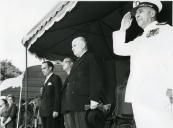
(82, 85)
(50, 99)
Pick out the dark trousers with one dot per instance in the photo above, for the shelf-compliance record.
(75, 120)
(50, 122)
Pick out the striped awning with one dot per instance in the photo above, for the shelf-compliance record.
(55, 15)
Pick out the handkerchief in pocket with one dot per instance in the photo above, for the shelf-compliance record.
(49, 84)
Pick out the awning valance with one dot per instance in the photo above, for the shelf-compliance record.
(55, 15)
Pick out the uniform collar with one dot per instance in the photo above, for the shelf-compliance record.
(151, 26)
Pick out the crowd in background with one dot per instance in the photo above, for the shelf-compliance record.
(12, 116)
(8, 112)
(79, 102)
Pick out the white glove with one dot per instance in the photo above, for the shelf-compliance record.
(55, 114)
(93, 104)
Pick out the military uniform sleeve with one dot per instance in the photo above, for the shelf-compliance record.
(119, 45)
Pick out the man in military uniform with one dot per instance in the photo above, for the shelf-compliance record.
(151, 65)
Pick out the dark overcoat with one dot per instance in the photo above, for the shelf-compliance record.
(82, 85)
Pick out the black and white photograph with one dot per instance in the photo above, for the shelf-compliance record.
(86, 64)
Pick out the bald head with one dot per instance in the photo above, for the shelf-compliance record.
(79, 46)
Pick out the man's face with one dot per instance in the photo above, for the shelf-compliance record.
(77, 47)
(2, 103)
(67, 64)
(46, 69)
(143, 16)
(10, 100)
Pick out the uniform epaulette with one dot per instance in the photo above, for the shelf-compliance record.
(163, 23)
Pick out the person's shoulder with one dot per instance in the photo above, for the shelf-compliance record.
(91, 55)
(161, 23)
(87, 54)
(165, 29)
(164, 26)
(55, 76)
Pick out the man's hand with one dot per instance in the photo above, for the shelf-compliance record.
(126, 21)
(93, 104)
(169, 93)
(55, 114)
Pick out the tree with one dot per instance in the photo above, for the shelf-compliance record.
(8, 70)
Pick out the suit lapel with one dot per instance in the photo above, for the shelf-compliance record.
(48, 80)
(46, 84)
(76, 65)
(65, 83)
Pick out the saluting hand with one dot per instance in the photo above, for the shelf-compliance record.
(126, 21)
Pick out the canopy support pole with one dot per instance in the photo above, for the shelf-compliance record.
(20, 98)
(26, 85)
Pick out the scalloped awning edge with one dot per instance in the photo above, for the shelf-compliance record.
(55, 15)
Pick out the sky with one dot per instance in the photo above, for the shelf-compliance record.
(17, 18)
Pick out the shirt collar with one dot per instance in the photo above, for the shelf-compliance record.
(150, 26)
(47, 77)
(83, 53)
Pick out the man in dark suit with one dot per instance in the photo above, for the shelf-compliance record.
(83, 86)
(66, 66)
(50, 99)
